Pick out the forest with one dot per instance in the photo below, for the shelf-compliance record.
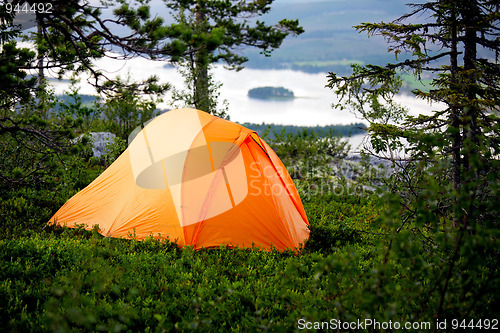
(410, 244)
(270, 130)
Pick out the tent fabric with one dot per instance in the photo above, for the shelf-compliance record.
(198, 180)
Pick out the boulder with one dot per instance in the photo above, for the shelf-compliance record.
(99, 141)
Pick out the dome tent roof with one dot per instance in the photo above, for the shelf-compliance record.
(197, 179)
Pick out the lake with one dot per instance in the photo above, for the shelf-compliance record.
(311, 107)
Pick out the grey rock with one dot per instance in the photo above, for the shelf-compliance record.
(99, 141)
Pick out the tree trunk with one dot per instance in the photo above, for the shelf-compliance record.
(201, 84)
(470, 14)
(40, 67)
(455, 118)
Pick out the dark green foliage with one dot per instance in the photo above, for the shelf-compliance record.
(442, 224)
(67, 279)
(338, 220)
(39, 183)
(76, 106)
(15, 86)
(395, 253)
(130, 105)
(295, 147)
(229, 25)
(360, 262)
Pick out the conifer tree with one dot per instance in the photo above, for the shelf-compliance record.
(69, 37)
(458, 45)
(214, 31)
(443, 206)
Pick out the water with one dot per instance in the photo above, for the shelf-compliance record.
(311, 107)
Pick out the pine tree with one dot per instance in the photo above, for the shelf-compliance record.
(70, 36)
(213, 31)
(443, 205)
(458, 46)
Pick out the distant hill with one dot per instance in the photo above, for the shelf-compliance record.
(330, 43)
(85, 99)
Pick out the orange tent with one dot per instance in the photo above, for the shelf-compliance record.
(198, 180)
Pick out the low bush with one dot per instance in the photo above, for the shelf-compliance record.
(63, 279)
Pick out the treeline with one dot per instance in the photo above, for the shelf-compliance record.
(320, 131)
